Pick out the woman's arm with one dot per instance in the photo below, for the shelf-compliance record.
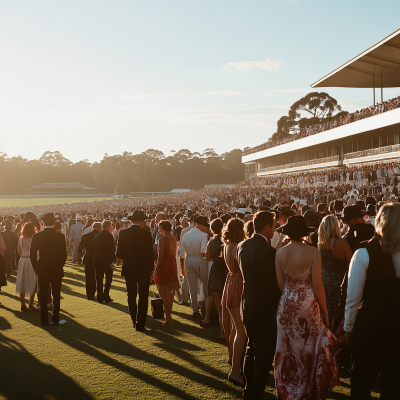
(160, 253)
(208, 252)
(280, 275)
(19, 248)
(347, 250)
(318, 287)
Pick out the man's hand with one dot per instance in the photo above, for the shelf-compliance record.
(346, 338)
(112, 266)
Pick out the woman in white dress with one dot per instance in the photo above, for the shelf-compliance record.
(27, 282)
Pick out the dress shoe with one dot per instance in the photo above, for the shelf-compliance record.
(108, 300)
(55, 323)
(141, 329)
(195, 314)
(91, 298)
(181, 303)
(134, 325)
(44, 323)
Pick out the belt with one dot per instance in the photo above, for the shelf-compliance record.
(25, 257)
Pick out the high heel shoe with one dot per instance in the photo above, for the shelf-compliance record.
(167, 322)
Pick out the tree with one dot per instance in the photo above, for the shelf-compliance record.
(312, 109)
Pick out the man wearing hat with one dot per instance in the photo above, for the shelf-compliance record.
(192, 254)
(135, 248)
(50, 246)
(75, 236)
(371, 212)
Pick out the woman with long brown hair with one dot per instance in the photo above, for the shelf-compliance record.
(233, 234)
(26, 278)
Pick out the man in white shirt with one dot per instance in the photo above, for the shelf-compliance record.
(192, 254)
(75, 236)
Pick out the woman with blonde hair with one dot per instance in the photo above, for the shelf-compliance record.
(373, 330)
(232, 235)
(335, 257)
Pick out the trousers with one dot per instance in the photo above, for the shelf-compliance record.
(9, 262)
(90, 279)
(44, 284)
(196, 268)
(138, 312)
(103, 294)
(260, 352)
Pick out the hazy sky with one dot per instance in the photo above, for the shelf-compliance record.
(94, 77)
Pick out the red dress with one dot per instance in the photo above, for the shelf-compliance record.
(305, 350)
(232, 295)
(167, 271)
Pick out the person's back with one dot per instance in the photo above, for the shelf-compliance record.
(102, 249)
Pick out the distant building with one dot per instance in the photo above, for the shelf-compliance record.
(60, 188)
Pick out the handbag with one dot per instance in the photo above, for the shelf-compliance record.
(157, 307)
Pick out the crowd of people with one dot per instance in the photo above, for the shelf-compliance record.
(334, 123)
(304, 276)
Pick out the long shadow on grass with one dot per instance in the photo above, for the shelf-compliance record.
(28, 378)
(95, 343)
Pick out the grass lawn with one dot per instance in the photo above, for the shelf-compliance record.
(98, 355)
(44, 201)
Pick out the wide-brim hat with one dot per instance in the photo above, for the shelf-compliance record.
(202, 221)
(296, 226)
(350, 212)
(370, 211)
(78, 217)
(311, 216)
(137, 216)
(370, 200)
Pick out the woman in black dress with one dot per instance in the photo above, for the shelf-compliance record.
(218, 272)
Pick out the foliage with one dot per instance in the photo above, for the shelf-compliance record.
(151, 170)
(312, 109)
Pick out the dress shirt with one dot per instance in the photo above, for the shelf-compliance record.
(186, 230)
(357, 275)
(194, 243)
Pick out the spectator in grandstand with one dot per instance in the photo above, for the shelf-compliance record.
(373, 331)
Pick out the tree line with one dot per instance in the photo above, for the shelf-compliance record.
(149, 171)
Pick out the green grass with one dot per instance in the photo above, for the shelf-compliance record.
(98, 355)
(44, 201)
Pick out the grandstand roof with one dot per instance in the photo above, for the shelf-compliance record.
(378, 66)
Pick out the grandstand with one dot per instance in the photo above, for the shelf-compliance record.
(369, 136)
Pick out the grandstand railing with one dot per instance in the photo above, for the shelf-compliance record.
(372, 152)
(301, 164)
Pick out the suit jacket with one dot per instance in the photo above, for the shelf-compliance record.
(260, 286)
(11, 242)
(85, 244)
(50, 245)
(102, 250)
(135, 248)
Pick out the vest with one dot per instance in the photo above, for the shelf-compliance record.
(377, 325)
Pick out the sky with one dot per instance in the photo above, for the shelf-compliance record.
(93, 77)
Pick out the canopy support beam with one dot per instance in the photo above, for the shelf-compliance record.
(373, 86)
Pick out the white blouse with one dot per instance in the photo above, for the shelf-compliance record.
(355, 289)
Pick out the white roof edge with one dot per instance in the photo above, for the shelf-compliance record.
(383, 41)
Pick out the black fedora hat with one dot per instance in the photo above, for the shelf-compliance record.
(361, 204)
(370, 200)
(296, 227)
(137, 216)
(371, 210)
(49, 219)
(351, 212)
(310, 216)
(287, 211)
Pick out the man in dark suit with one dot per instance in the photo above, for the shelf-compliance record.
(102, 253)
(260, 300)
(135, 248)
(84, 246)
(50, 245)
(11, 242)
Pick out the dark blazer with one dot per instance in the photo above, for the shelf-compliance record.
(135, 248)
(102, 250)
(260, 286)
(85, 244)
(52, 253)
(11, 242)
